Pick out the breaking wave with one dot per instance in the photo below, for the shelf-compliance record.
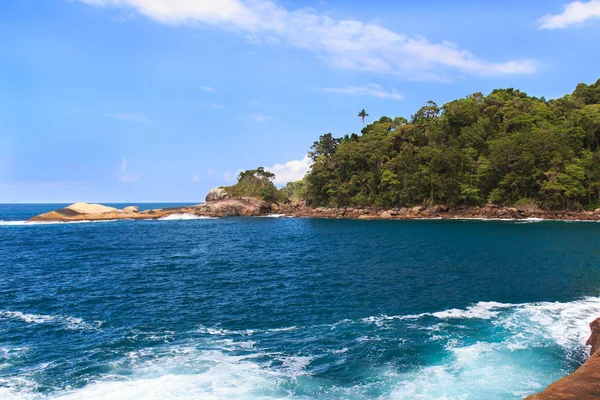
(502, 358)
(67, 322)
(184, 216)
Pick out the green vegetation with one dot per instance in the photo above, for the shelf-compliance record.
(362, 114)
(256, 183)
(295, 191)
(506, 148)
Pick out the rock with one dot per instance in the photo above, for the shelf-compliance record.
(366, 216)
(434, 209)
(417, 209)
(584, 383)
(216, 194)
(131, 209)
(84, 208)
(597, 211)
(385, 215)
(402, 211)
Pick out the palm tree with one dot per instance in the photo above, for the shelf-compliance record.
(362, 114)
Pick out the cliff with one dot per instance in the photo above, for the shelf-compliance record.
(584, 383)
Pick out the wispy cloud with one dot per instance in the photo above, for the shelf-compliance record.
(346, 44)
(254, 103)
(575, 13)
(290, 171)
(372, 89)
(260, 118)
(196, 178)
(124, 174)
(206, 88)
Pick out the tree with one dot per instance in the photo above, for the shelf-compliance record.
(506, 147)
(362, 114)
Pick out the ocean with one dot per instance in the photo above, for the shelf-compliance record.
(291, 308)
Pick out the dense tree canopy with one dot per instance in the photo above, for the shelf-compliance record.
(256, 183)
(504, 148)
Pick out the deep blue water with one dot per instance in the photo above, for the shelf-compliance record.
(268, 308)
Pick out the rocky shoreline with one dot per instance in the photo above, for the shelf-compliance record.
(584, 383)
(435, 212)
(227, 207)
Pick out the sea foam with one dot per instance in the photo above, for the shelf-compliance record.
(184, 216)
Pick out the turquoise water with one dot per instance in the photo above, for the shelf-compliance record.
(270, 308)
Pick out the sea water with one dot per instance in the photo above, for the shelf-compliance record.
(272, 308)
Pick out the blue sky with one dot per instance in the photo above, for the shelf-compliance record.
(161, 100)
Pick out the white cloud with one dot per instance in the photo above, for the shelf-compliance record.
(196, 178)
(575, 13)
(210, 172)
(290, 171)
(206, 88)
(261, 118)
(372, 89)
(124, 175)
(347, 44)
(253, 103)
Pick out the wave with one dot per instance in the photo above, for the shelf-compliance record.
(34, 223)
(502, 359)
(273, 216)
(244, 332)
(522, 220)
(184, 216)
(68, 322)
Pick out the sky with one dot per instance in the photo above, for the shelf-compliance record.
(162, 100)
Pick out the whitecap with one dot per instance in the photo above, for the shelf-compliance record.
(68, 322)
(184, 216)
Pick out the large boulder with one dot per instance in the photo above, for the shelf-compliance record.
(131, 209)
(597, 211)
(216, 194)
(85, 208)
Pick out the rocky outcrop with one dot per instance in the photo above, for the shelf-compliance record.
(584, 383)
(86, 212)
(96, 212)
(223, 207)
(490, 211)
(216, 194)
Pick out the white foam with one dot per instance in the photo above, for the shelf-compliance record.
(273, 216)
(481, 310)
(71, 323)
(184, 216)
(34, 223)
(187, 373)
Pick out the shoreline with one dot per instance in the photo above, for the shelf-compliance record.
(258, 208)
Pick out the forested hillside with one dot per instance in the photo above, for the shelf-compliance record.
(506, 148)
